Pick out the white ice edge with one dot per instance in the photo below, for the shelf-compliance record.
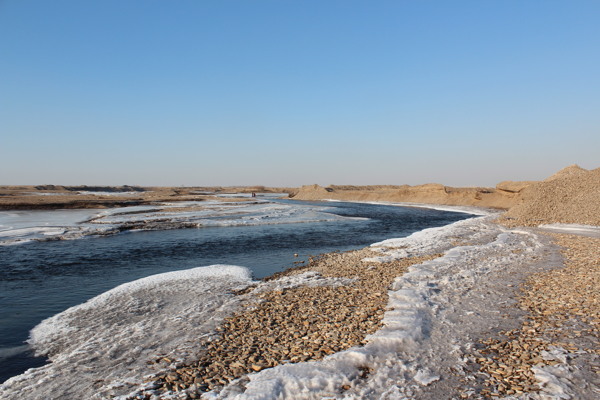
(115, 337)
(148, 290)
(554, 380)
(587, 230)
(460, 209)
(236, 273)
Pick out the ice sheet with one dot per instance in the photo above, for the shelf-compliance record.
(431, 240)
(106, 346)
(462, 209)
(25, 226)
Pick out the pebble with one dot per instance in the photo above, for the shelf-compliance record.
(295, 324)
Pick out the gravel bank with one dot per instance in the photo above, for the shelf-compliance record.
(435, 315)
(296, 324)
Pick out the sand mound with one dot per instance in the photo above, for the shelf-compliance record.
(570, 196)
(313, 192)
(570, 171)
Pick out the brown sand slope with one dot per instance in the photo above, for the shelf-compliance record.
(570, 196)
(432, 193)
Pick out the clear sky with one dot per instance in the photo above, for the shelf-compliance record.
(159, 92)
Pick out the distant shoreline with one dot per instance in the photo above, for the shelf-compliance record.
(83, 197)
(53, 197)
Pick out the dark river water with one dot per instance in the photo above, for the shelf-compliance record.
(40, 279)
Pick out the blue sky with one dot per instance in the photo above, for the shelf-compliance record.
(287, 93)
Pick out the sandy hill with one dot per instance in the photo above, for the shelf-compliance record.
(431, 193)
(572, 195)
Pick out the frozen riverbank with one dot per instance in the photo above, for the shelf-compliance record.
(435, 314)
(34, 275)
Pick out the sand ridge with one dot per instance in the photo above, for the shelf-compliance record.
(431, 193)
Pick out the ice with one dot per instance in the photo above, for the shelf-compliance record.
(114, 338)
(13, 351)
(553, 382)
(566, 376)
(461, 209)
(425, 377)
(24, 232)
(223, 214)
(427, 241)
(309, 278)
(43, 194)
(555, 353)
(585, 230)
(26, 226)
(249, 195)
